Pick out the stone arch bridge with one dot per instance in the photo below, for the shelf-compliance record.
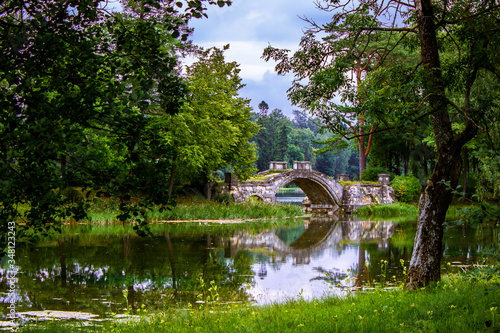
(324, 193)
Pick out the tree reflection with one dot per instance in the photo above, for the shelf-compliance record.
(99, 271)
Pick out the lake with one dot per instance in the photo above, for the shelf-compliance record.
(105, 269)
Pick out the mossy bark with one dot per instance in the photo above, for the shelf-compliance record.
(437, 192)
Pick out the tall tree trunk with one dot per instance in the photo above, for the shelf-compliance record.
(62, 261)
(362, 156)
(208, 188)
(363, 153)
(436, 196)
(406, 158)
(172, 177)
(465, 169)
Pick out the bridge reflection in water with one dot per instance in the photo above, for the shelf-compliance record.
(296, 265)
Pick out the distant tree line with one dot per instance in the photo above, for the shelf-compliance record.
(298, 139)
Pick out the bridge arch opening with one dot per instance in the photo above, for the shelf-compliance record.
(316, 192)
(323, 192)
(255, 198)
(290, 193)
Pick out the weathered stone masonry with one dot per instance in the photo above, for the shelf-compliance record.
(324, 193)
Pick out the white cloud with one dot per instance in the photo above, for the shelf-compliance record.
(249, 27)
(248, 55)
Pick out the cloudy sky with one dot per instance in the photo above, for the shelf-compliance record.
(249, 26)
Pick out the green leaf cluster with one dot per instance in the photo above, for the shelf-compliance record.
(83, 97)
(371, 173)
(407, 188)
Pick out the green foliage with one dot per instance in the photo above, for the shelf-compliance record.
(407, 188)
(477, 214)
(488, 177)
(487, 274)
(217, 118)
(82, 91)
(302, 140)
(272, 141)
(471, 183)
(371, 173)
(472, 306)
(223, 198)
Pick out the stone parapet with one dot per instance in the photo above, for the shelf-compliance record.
(278, 166)
(342, 177)
(384, 178)
(302, 165)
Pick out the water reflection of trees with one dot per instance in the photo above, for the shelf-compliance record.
(107, 273)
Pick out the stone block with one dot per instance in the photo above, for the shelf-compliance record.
(343, 177)
(278, 166)
(384, 179)
(302, 165)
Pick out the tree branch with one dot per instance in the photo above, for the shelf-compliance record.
(392, 29)
(486, 11)
(403, 3)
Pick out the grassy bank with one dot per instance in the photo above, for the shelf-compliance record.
(398, 208)
(455, 212)
(197, 208)
(454, 305)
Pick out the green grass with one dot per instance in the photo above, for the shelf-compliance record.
(106, 211)
(401, 208)
(352, 182)
(288, 189)
(453, 305)
(214, 210)
(398, 208)
(266, 175)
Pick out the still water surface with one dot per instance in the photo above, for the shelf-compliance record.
(105, 269)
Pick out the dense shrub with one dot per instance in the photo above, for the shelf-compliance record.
(407, 188)
(223, 198)
(370, 174)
